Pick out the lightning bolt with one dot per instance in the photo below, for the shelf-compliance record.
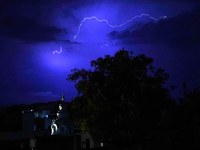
(57, 51)
(114, 26)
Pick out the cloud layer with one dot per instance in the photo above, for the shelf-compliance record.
(180, 32)
(28, 30)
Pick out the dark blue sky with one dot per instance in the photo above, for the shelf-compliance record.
(31, 30)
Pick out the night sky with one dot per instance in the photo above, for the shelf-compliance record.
(31, 30)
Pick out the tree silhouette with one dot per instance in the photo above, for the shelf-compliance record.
(183, 121)
(118, 101)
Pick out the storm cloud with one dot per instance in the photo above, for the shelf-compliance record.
(181, 32)
(28, 30)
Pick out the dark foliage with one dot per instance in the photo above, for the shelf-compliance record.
(118, 101)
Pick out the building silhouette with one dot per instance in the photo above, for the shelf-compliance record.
(61, 125)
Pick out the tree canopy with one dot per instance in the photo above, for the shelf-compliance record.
(119, 101)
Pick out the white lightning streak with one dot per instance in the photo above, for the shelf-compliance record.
(57, 51)
(114, 26)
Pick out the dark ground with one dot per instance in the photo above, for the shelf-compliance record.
(43, 143)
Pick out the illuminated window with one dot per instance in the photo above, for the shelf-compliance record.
(53, 129)
(101, 144)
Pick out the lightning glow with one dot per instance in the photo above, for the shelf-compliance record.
(57, 51)
(114, 26)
